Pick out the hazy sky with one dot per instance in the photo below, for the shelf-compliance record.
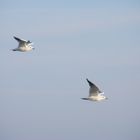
(40, 90)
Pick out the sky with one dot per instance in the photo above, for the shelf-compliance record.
(41, 90)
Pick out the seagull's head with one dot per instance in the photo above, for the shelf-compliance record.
(103, 97)
(106, 98)
(31, 47)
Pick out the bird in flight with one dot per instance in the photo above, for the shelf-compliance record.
(24, 45)
(95, 94)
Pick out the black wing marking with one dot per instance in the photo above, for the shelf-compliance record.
(20, 40)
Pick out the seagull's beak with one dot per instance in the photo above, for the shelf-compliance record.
(33, 48)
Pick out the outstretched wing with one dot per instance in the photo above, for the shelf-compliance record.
(94, 90)
(20, 40)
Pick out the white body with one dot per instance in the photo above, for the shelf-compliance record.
(23, 49)
(99, 97)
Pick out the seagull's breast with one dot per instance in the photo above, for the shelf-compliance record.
(24, 48)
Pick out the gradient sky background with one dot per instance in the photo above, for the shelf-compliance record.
(40, 90)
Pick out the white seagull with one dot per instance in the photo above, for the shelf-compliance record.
(24, 45)
(95, 94)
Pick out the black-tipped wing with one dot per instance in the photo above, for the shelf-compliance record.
(20, 40)
(94, 90)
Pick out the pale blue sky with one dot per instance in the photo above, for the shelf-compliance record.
(74, 40)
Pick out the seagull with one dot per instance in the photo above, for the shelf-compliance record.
(24, 45)
(95, 94)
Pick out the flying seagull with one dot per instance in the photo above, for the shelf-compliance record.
(23, 46)
(95, 94)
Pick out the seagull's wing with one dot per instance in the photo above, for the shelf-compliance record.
(94, 90)
(20, 40)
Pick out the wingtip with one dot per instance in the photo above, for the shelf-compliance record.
(89, 82)
(84, 98)
(15, 37)
(13, 49)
